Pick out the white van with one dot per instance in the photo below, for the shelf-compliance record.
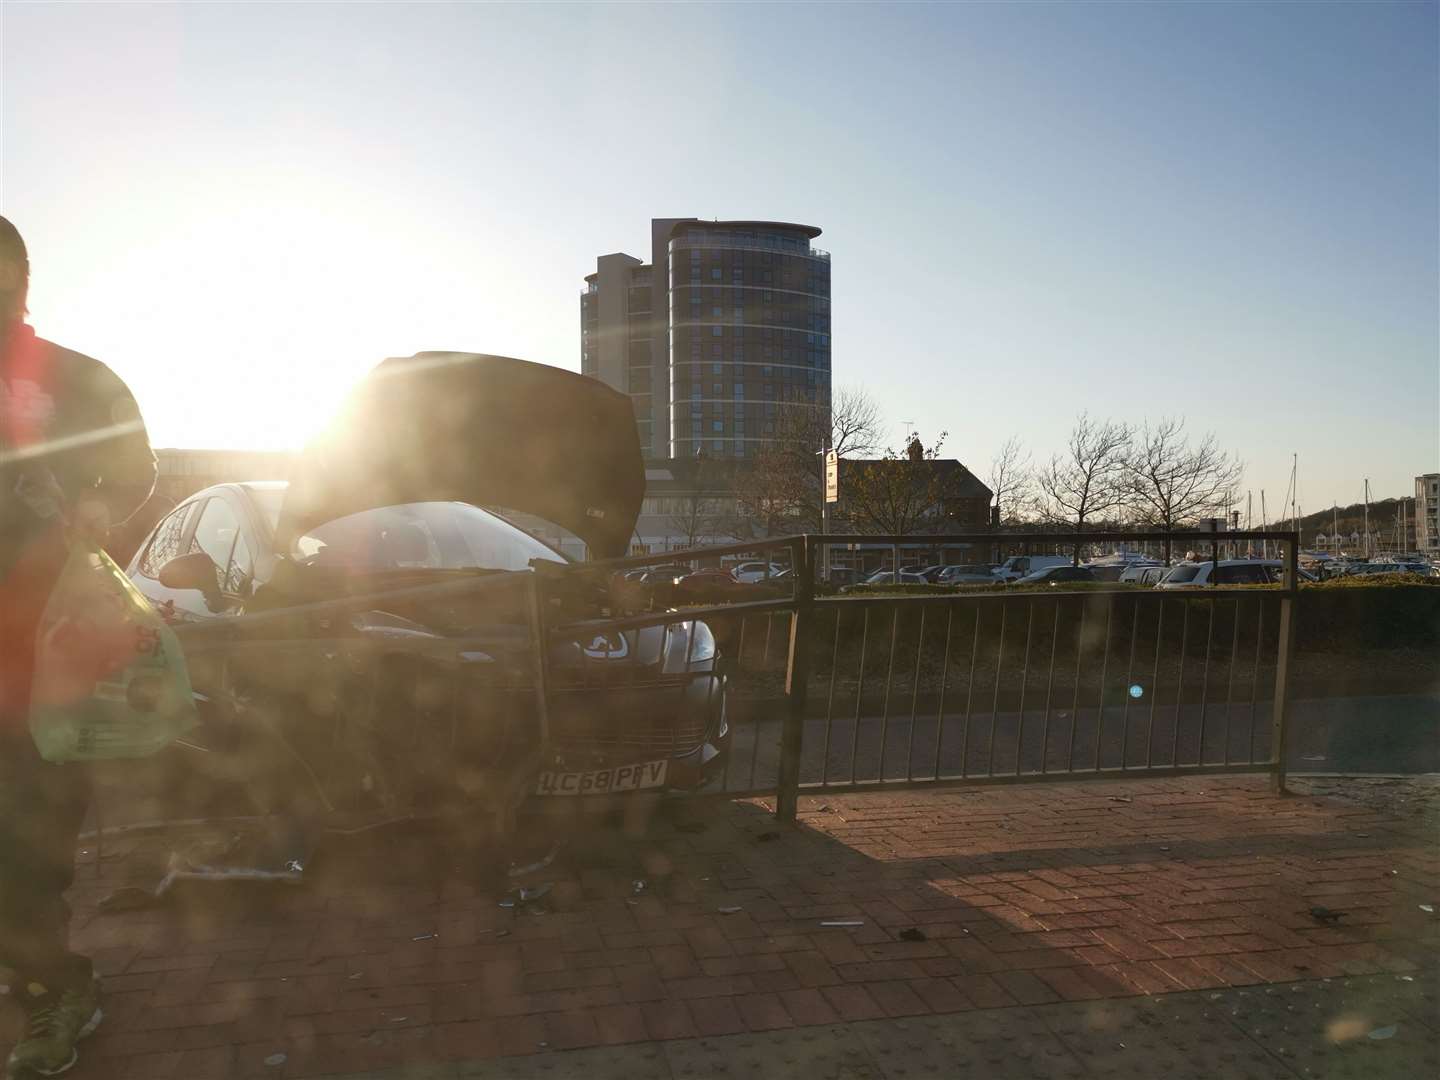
(1018, 566)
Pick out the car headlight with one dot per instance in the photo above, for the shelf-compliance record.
(687, 643)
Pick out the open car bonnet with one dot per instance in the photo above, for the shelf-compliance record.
(487, 430)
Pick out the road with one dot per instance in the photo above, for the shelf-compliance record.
(1399, 734)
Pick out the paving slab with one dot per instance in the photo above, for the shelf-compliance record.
(955, 907)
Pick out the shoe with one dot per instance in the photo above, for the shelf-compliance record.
(48, 1046)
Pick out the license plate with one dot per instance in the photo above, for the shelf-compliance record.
(645, 774)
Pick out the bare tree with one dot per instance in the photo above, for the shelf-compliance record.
(779, 489)
(854, 422)
(1012, 480)
(695, 516)
(1086, 479)
(1172, 482)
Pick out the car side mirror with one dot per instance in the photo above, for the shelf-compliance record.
(194, 571)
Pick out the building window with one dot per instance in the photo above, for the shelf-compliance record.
(715, 274)
(717, 425)
(716, 331)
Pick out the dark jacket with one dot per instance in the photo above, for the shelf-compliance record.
(69, 428)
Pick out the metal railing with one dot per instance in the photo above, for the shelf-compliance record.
(1001, 685)
(826, 691)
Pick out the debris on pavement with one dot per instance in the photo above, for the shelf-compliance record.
(276, 1059)
(539, 864)
(843, 922)
(730, 910)
(524, 895)
(424, 937)
(913, 934)
(1429, 909)
(637, 886)
(1325, 915)
(765, 837)
(1384, 1032)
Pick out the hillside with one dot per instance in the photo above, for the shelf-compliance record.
(1384, 521)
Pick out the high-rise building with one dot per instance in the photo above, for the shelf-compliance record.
(1427, 513)
(717, 338)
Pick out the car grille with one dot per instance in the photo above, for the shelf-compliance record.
(623, 724)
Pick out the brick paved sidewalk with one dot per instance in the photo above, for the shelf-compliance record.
(1021, 896)
(1364, 1027)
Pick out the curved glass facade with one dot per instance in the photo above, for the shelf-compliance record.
(749, 333)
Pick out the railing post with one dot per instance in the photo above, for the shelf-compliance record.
(1280, 731)
(797, 681)
(540, 643)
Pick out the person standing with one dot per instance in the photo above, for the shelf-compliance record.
(74, 459)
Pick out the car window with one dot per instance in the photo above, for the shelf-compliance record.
(1183, 573)
(430, 536)
(165, 543)
(215, 535)
(1245, 574)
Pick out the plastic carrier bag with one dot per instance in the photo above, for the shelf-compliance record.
(110, 680)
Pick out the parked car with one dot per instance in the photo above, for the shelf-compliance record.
(1018, 566)
(1142, 573)
(714, 586)
(1366, 569)
(887, 577)
(1192, 575)
(421, 700)
(755, 571)
(1057, 575)
(930, 573)
(967, 574)
(1107, 571)
(844, 575)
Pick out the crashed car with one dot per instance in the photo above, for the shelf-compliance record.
(367, 632)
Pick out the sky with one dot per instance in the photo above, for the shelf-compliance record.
(1219, 211)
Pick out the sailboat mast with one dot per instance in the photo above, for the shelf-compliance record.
(1295, 492)
(1264, 524)
(1367, 519)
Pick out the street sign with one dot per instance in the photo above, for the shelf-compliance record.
(832, 476)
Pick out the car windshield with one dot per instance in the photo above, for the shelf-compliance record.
(422, 536)
(268, 500)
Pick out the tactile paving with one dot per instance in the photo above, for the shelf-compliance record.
(1000, 1044)
(1176, 1036)
(830, 1052)
(1345, 1029)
